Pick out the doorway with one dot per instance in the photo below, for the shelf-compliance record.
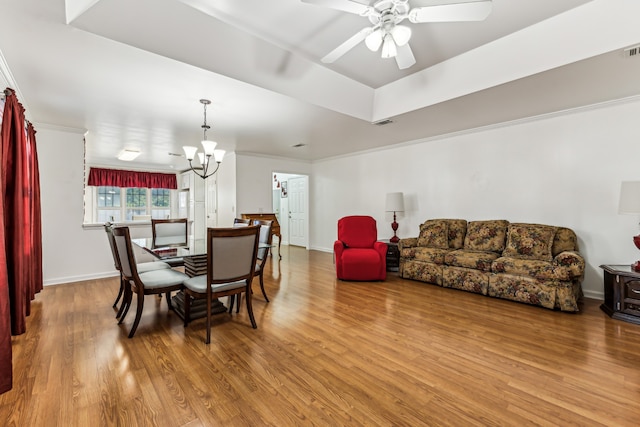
(290, 200)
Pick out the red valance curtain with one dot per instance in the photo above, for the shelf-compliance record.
(20, 229)
(126, 179)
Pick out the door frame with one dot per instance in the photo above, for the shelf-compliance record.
(283, 217)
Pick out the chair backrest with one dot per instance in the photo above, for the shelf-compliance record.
(241, 222)
(231, 253)
(127, 260)
(357, 231)
(114, 251)
(169, 232)
(265, 236)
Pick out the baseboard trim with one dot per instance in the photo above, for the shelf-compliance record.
(593, 294)
(82, 278)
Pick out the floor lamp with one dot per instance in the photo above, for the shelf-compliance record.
(630, 204)
(395, 203)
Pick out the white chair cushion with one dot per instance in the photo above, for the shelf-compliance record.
(144, 267)
(162, 278)
(199, 284)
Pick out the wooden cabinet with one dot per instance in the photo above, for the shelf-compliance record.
(275, 226)
(621, 293)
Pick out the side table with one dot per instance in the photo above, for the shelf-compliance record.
(621, 293)
(393, 256)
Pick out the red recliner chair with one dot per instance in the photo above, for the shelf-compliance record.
(358, 254)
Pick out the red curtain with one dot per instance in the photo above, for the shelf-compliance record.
(126, 179)
(20, 229)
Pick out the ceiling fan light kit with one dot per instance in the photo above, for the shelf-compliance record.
(385, 17)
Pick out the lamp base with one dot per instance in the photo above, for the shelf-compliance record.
(396, 239)
(636, 265)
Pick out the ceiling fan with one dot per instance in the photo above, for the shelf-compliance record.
(385, 17)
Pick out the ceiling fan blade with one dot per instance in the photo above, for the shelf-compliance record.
(344, 5)
(404, 57)
(347, 46)
(456, 12)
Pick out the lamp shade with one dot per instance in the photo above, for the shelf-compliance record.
(401, 34)
(208, 147)
(389, 49)
(218, 155)
(190, 152)
(374, 40)
(395, 202)
(629, 197)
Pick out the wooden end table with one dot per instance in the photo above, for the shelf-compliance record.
(621, 293)
(393, 256)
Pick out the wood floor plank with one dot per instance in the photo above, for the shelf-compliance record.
(326, 352)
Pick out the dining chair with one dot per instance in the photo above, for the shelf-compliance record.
(264, 246)
(169, 233)
(231, 261)
(142, 267)
(241, 222)
(149, 283)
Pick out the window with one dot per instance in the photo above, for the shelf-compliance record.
(109, 204)
(160, 203)
(136, 202)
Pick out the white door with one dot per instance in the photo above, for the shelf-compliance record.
(298, 211)
(211, 202)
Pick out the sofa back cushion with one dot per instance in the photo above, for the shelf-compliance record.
(565, 240)
(434, 234)
(457, 231)
(488, 236)
(530, 241)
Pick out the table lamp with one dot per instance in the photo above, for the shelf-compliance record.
(630, 204)
(395, 203)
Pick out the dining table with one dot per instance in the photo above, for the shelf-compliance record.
(195, 264)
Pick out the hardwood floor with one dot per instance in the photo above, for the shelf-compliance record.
(326, 353)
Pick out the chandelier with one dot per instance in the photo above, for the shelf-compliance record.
(209, 150)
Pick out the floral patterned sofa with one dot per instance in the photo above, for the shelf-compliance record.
(531, 263)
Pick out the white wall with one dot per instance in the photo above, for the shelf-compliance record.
(560, 170)
(69, 252)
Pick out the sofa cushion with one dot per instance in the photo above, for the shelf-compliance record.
(564, 240)
(434, 255)
(520, 267)
(470, 259)
(530, 241)
(434, 234)
(488, 236)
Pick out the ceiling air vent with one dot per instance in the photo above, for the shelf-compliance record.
(632, 51)
(383, 122)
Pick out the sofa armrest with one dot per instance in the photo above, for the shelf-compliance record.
(571, 262)
(409, 242)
